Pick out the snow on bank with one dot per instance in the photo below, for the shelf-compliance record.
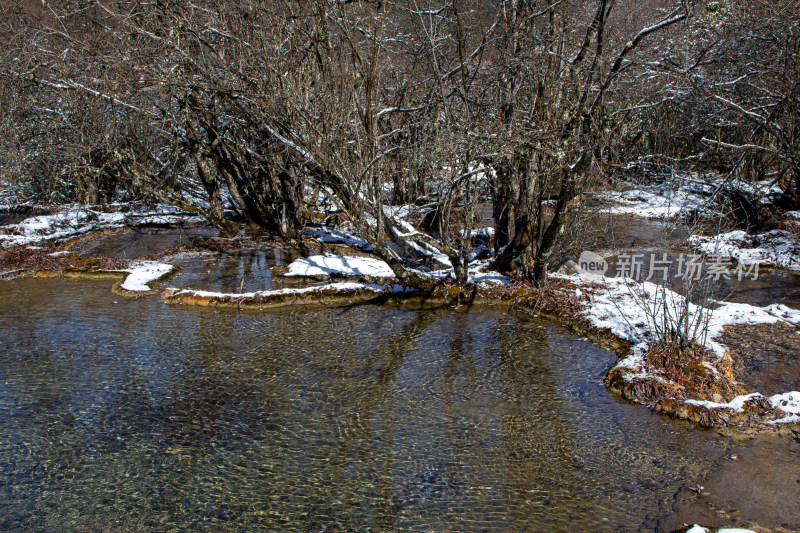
(330, 235)
(663, 204)
(737, 404)
(71, 221)
(325, 265)
(789, 403)
(765, 190)
(779, 248)
(141, 273)
(634, 311)
(700, 529)
(342, 265)
(60, 225)
(475, 274)
(337, 287)
(485, 232)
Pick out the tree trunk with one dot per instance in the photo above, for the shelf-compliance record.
(558, 223)
(506, 197)
(216, 210)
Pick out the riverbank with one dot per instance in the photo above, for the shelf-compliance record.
(703, 385)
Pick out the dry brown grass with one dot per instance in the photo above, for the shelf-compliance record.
(24, 260)
(693, 375)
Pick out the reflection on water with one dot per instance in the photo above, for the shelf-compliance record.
(134, 415)
(129, 243)
(245, 271)
(624, 240)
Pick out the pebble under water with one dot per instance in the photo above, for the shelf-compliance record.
(133, 415)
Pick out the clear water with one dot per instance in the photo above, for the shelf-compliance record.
(133, 415)
(245, 271)
(647, 240)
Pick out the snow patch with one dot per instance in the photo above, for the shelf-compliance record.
(73, 220)
(486, 232)
(737, 404)
(762, 189)
(777, 247)
(664, 204)
(330, 235)
(325, 265)
(633, 310)
(344, 286)
(623, 306)
(476, 275)
(700, 529)
(789, 403)
(143, 272)
(431, 252)
(697, 529)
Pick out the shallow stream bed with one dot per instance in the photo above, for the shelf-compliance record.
(139, 416)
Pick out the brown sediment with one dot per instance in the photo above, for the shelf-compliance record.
(20, 262)
(24, 261)
(324, 296)
(751, 488)
(767, 356)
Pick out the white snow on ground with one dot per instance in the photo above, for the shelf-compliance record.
(325, 265)
(72, 220)
(482, 232)
(789, 403)
(487, 279)
(762, 189)
(344, 286)
(634, 310)
(409, 229)
(475, 275)
(700, 529)
(141, 273)
(737, 404)
(431, 252)
(11, 196)
(334, 236)
(148, 219)
(663, 204)
(399, 211)
(58, 226)
(777, 247)
(623, 306)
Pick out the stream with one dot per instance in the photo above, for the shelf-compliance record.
(134, 415)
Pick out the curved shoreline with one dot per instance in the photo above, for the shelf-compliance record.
(656, 392)
(556, 303)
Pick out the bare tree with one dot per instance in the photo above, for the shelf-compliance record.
(554, 104)
(263, 107)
